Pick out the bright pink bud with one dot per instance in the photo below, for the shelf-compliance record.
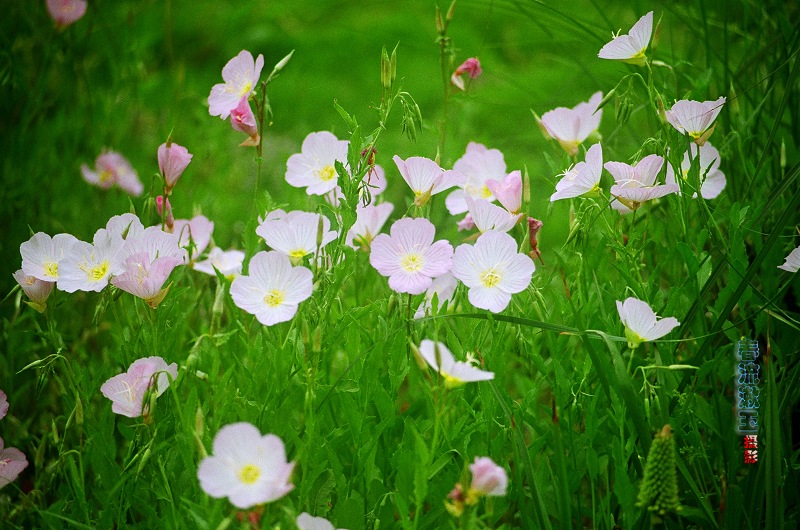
(471, 66)
(243, 120)
(65, 12)
(172, 161)
(169, 219)
(488, 478)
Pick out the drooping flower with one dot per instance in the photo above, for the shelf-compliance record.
(493, 270)
(477, 167)
(12, 463)
(637, 184)
(243, 120)
(534, 225)
(41, 255)
(3, 404)
(444, 287)
(712, 180)
(630, 48)
(241, 77)
(194, 234)
(369, 222)
(487, 216)
(695, 118)
(306, 522)
(172, 162)
(111, 168)
(471, 67)
(66, 12)
(145, 278)
(641, 323)
(127, 390)
(583, 178)
(455, 373)
(487, 479)
(35, 289)
(792, 263)
(508, 191)
(409, 257)
(572, 126)
(313, 167)
(297, 233)
(89, 267)
(228, 263)
(425, 177)
(246, 467)
(273, 289)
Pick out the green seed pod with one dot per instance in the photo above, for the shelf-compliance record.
(659, 491)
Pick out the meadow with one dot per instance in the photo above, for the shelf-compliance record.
(536, 389)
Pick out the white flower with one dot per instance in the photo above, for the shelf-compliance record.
(637, 184)
(425, 177)
(695, 117)
(228, 263)
(306, 522)
(313, 167)
(630, 48)
(273, 289)
(89, 267)
(296, 233)
(583, 178)
(127, 390)
(193, 234)
(455, 373)
(369, 221)
(35, 289)
(792, 261)
(712, 180)
(572, 126)
(641, 322)
(125, 226)
(478, 166)
(41, 255)
(444, 287)
(246, 467)
(487, 216)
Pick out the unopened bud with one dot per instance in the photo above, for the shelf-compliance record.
(783, 153)
(393, 66)
(79, 412)
(282, 63)
(168, 218)
(451, 11)
(386, 70)
(734, 100)
(439, 25)
(662, 112)
(316, 345)
(304, 332)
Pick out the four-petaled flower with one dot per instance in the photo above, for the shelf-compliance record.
(641, 322)
(637, 184)
(712, 180)
(111, 168)
(425, 177)
(630, 48)
(297, 233)
(488, 479)
(572, 126)
(127, 390)
(477, 167)
(12, 462)
(455, 373)
(695, 118)
(228, 262)
(42, 254)
(583, 178)
(369, 221)
(241, 76)
(314, 167)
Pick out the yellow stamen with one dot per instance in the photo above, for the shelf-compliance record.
(51, 269)
(490, 278)
(327, 173)
(411, 262)
(274, 298)
(249, 474)
(98, 272)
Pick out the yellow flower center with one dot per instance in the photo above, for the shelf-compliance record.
(98, 272)
(411, 262)
(685, 174)
(245, 89)
(274, 298)
(298, 253)
(51, 269)
(451, 382)
(490, 278)
(105, 176)
(249, 474)
(485, 193)
(327, 173)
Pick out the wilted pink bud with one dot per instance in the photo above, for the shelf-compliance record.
(169, 219)
(471, 66)
(534, 225)
(243, 120)
(37, 290)
(65, 12)
(172, 161)
(488, 478)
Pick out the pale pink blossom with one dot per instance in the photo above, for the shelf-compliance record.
(583, 178)
(487, 216)
(369, 222)
(425, 177)
(313, 167)
(66, 12)
(155, 243)
(306, 522)
(792, 263)
(477, 167)
(127, 390)
(194, 234)
(712, 180)
(3, 404)
(41, 255)
(243, 120)
(111, 168)
(637, 184)
(246, 467)
(126, 226)
(630, 48)
(12, 463)
(273, 289)
(228, 263)
(487, 478)
(172, 162)
(241, 77)
(455, 373)
(471, 67)
(443, 287)
(493, 270)
(641, 323)
(145, 277)
(89, 267)
(467, 223)
(35, 289)
(297, 233)
(695, 118)
(508, 191)
(572, 126)
(409, 257)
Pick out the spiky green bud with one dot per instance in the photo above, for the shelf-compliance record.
(659, 491)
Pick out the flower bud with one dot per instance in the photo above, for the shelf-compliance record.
(487, 479)
(172, 161)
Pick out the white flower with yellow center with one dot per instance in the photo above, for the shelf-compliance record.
(455, 373)
(241, 77)
(248, 468)
(41, 255)
(641, 322)
(273, 289)
(89, 267)
(478, 166)
(296, 233)
(314, 167)
(630, 48)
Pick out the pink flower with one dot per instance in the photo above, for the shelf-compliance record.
(792, 263)
(583, 178)
(313, 167)
(111, 168)
(243, 120)
(126, 226)
(306, 522)
(241, 76)
(155, 243)
(172, 161)
(273, 290)
(297, 233)
(637, 184)
(712, 180)
(572, 126)
(641, 322)
(169, 219)
(369, 222)
(695, 118)
(42, 254)
(145, 278)
(471, 66)
(425, 177)
(228, 263)
(12, 462)
(3, 404)
(127, 390)
(65, 12)
(467, 223)
(477, 167)
(455, 373)
(487, 478)
(630, 48)
(409, 257)
(487, 216)
(508, 191)
(246, 467)
(35, 289)
(194, 235)
(493, 270)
